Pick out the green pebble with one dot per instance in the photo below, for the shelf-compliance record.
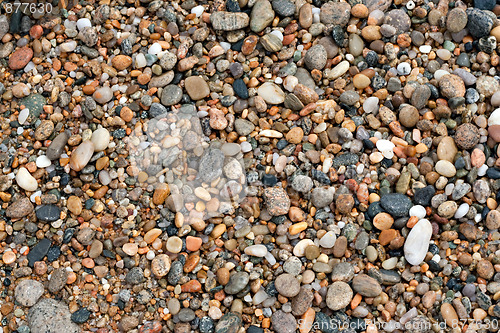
(367, 225)
(450, 46)
(451, 124)
(461, 173)
(297, 55)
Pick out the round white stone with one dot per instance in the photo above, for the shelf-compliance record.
(328, 240)
(154, 49)
(83, 23)
(462, 210)
(418, 211)
(404, 68)
(23, 116)
(256, 250)
(384, 145)
(417, 242)
(198, 10)
(100, 139)
(43, 161)
(370, 105)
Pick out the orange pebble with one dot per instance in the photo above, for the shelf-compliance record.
(88, 263)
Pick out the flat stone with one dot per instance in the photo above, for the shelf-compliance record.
(28, 292)
(366, 285)
(339, 295)
(50, 315)
(227, 21)
(196, 87)
(396, 204)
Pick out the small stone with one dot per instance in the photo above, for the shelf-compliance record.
(417, 242)
(49, 315)
(479, 22)
(408, 116)
(80, 157)
(277, 201)
(366, 286)
(25, 180)
(287, 285)
(100, 138)
(452, 86)
(271, 93)
(103, 95)
(339, 295)
(19, 208)
(283, 322)
(262, 15)
(58, 280)
(237, 282)
(335, 13)
(316, 57)
(171, 95)
(20, 58)
(485, 269)
(196, 87)
(28, 292)
(227, 21)
(467, 136)
(396, 204)
(160, 266)
(456, 20)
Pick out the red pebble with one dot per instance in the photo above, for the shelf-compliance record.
(151, 327)
(36, 31)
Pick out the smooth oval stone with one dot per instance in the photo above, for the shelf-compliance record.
(271, 93)
(256, 250)
(100, 139)
(445, 168)
(328, 240)
(103, 95)
(56, 147)
(25, 180)
(81, 155)
(237, 282)
(48, 213)
(417, 242)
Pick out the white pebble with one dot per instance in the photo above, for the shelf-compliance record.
(418, 211)
(246, 147)
(462, 210)
(100, 139)
(370, 104)
(154, 49)
(481, 171)
(23, 116)
(25, 180)
(404, 68)
(140, 61)
(328, 240)
(198, 10)
(83, 23)
(256, 250)
(383, 145)
(43, 161)
(425, 48)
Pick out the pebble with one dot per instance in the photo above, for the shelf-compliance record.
(50, 315)
(339, 295)
(26, 181)
(28, 292)
(20, 58)
(366, 285)
(417, 242)
(196, 87)
(287, 285)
